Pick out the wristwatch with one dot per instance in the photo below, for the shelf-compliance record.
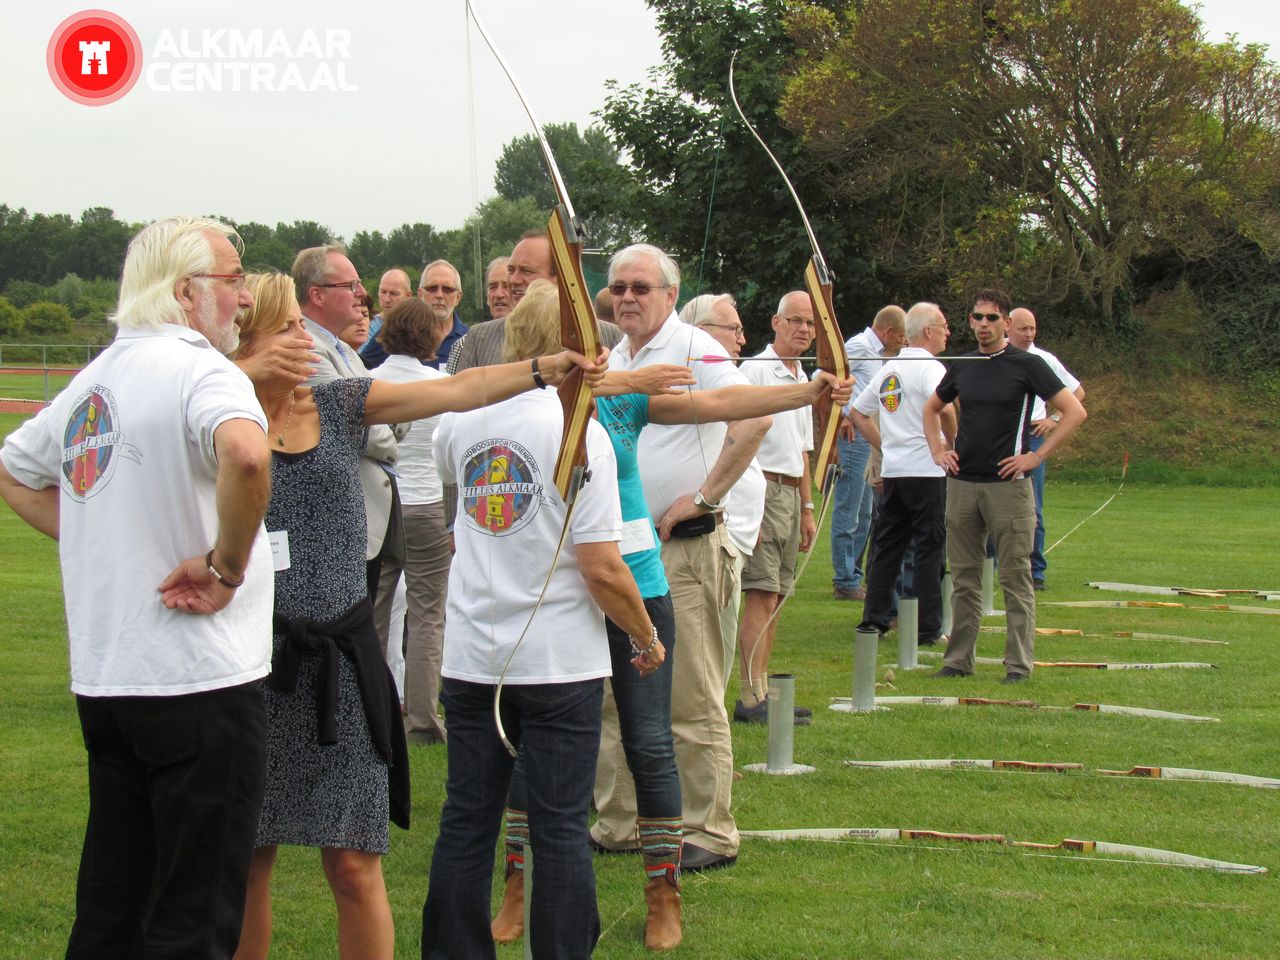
(702, 503)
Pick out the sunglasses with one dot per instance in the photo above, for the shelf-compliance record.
(640, 288)
(440, 287)
(989, 317)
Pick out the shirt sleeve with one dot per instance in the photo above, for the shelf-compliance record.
(946, 389)
(223, 393)
(33, 454)
(597, 516)
(440, 449)
(1043, 380)
(866, 401)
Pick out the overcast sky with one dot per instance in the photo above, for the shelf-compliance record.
(397, 149)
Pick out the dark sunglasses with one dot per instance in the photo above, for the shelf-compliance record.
(640, 289)
(438, 287)
(989, 317)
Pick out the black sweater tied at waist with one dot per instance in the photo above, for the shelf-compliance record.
(352, 634)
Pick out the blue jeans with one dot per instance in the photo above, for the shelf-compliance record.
(644, 718)
(1038, 562)
(557, 725)
(851, 514)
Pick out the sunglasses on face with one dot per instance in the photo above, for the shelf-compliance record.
(989, 317)
(640, 288)
(440, 287)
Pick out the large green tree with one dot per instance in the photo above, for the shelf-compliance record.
(1048, 143)
(705, 191)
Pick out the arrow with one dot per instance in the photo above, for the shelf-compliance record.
(1124, 850)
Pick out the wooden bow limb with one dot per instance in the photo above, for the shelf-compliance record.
(950, 764)
(578, 332)
(1184, 773)
(1033, 705)
(1105, 848)
(1213, 593)
(1158, 604)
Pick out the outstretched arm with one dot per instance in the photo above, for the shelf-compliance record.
(744, 401)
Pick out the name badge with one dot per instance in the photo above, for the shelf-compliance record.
(637, 535)
(279, 549)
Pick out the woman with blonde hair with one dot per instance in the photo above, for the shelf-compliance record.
(337, 769)
(626, 402)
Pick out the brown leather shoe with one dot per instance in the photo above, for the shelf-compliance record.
(508, 925)
(662, 925)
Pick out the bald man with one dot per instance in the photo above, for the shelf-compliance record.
(392, 288)
(1022, 334)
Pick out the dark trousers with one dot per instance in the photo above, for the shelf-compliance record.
(557, 728)
(175, 788)
(912, 514)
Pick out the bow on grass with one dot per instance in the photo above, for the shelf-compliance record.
(1033, 766)
(578, 332)
(831, 357)
(1109, 850)
(1033, 705)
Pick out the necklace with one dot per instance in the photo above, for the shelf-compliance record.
(287, 420)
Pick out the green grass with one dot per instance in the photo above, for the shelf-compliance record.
(31, 386)
(824, 900)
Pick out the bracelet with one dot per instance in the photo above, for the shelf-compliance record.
(641, 651)
(806, 506)
(537, 377)
(219, 575)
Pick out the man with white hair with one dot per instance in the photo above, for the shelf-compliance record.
(1022, 334)
(913, 507)
(497, 294)
(441, 289)
(687, 472)
(152, 471)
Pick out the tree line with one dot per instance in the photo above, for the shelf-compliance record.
(1118, 172)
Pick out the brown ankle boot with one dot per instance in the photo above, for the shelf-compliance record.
(662, 926)
(509, 923)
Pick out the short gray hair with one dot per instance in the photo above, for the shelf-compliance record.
(638, 251)
(918, 317)
(160, 255)
(782, 301)
(457, 277)
(311, 268)
(699, 310)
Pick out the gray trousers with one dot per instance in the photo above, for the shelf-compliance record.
(1005, 510)
(426, 574)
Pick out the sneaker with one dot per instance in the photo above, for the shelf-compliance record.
(941, 638)
(1037, 584)
(744, 714)
(1015, 678)
(857, 593)
(949, 672)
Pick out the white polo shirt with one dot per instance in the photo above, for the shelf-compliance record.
(899, 392)
(1038, 410)
(783, 448)
(416, 467)
(509, 520)
(130, 444)
(675, 459)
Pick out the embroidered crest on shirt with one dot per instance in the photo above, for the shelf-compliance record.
(92, 444)
(502, 487)
(891, 393)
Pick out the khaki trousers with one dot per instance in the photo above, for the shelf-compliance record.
(1005, 510)
(700, 571)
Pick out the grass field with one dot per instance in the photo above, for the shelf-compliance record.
(811, 900)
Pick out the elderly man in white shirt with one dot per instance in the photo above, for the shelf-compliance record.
(686, 472)
(1022, 334)
(788, 527)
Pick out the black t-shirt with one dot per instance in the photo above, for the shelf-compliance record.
(996, 398)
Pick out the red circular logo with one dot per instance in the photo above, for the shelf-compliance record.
(94, 57)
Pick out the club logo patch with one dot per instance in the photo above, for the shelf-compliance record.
(501, 487)
(92, 444)
(891, 393)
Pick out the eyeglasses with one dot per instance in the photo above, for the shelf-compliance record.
(989, 317)
(355, 286)
(234, 280)
(640, 288)
(738, 331)
(440, 287)
(801, 322)
(944, 327)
